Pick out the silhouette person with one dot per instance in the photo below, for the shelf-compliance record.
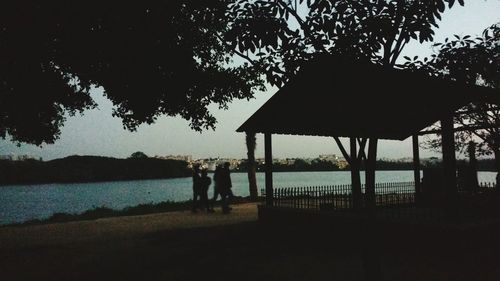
(225, 188)
(205, 182)
(196, 187)
(217, 184)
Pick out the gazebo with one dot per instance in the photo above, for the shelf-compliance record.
(336, 97)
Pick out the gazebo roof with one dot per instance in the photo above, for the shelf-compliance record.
(335, 97)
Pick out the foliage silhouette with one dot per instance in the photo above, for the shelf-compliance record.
(472, 61)
(138, 155)
(151, 58)
(279, 35)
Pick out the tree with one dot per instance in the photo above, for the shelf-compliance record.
(471, 61)
(151, 59)
(277, 36)
(251, 142)
(138, 155)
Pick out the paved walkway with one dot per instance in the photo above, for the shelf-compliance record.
(119, 227)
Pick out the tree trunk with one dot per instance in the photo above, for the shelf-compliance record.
(373, 268)
(449, 159)
(472, 171)
(497, 166)
(370, 167)
(251, 143)
(355, 177)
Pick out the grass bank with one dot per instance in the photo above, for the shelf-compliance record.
(105, 212)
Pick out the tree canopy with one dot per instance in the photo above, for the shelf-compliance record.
(151, 57)
(277, 36)
(138, 155)
(472, 61)
(175, 57)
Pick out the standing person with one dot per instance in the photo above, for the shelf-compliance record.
(205, 182)
(227, 179)
(217, 185)
(226, 185)
(196, 187)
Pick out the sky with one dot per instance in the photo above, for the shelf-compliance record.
(98, 133)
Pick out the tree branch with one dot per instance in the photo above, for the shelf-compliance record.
(235, 51)
(399, 46)
(302, 24)
(362, 145)
(401, 40)
(342, 149)
(293, 13)
(247, 58)
(464, 127)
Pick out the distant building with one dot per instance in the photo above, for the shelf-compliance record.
(23, 157)
(286, 161)
(260, 161)
(233, 163)
(342, 163)
(405, 160)
(187, 158)
(211, 163)
(329, 158)
(6, 157)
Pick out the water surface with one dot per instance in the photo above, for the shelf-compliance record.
(19, 203)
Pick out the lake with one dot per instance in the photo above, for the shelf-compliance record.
(19, 203)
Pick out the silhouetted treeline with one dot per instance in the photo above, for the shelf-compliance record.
(317, 165)
(301, 165)
(89, 169)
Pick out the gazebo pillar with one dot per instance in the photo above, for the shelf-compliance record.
(268, 168)
(449, 160)
(355, 177)
(416, 164)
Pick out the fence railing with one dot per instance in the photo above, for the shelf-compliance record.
(487, 186)
(339, 197)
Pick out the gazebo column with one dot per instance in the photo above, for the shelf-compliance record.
(355, 176)
(416, 164)
(370, 167)
(268, 168)
(449, 160)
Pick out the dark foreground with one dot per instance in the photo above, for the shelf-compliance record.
(253, 251)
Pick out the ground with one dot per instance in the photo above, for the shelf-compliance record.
(185, 246)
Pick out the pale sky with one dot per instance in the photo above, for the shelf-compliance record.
(98, 133)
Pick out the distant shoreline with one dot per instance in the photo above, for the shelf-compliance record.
(185, 176)
(81, 182)
(89, 169)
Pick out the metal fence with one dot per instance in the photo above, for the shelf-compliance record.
(487, 186)
(339, 197)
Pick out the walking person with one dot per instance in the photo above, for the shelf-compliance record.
(228, 183)
(196, 187)
(225, 188)
(205, 182)
(217, 185)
